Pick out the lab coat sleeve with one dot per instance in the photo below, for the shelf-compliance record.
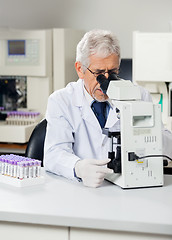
(59, 157)
(166, 134)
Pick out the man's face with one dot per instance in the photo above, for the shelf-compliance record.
(97, 65)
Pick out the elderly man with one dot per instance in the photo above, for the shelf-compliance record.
(75, 146)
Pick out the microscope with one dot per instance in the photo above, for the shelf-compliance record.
(135, 141)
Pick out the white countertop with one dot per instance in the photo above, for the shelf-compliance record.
(62, 202)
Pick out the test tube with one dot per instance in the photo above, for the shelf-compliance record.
(34, 169)
(20, 170)
(9, 167)
(30, 169)
(26, 170)
(15, 169)
(5, 166)
(2, 166)
(12, 168)
(38, 168)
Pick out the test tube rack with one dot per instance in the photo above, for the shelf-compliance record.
(20, 171)
(22, 183)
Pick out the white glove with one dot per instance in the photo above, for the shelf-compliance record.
(92, 171)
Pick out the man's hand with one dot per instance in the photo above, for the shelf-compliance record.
(92, 171)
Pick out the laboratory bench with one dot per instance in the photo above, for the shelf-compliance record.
(66, 210)
(15, 148)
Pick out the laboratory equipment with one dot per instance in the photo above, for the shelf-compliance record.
(152, 68)
(25, 78)
(20, 171)
(135, 141)
(33, 63)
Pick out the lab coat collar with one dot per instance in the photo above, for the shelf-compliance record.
(78, 96)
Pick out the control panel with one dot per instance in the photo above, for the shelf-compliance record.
(22, 52)
(26, 52)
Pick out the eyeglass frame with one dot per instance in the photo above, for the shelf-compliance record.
(103, 72)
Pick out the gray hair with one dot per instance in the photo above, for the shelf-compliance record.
(102, 43)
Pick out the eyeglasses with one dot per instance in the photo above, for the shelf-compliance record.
(111, 71)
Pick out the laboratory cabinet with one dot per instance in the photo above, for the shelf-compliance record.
(85, 234)
(64, 209)
(32, 231)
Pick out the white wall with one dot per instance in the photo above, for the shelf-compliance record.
(120, 16)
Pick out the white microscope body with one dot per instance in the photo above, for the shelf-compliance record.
(138, 132)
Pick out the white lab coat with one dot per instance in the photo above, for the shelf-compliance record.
(73, 131)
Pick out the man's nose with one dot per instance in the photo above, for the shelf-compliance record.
(106, 74)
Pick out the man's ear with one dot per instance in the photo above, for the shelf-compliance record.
(79, 70)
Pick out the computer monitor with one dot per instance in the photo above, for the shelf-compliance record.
(126, 69)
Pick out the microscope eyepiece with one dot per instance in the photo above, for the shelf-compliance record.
(101, 78)
(104, 82)
(113, 77)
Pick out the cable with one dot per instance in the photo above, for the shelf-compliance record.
(165, 162)
(148, 156)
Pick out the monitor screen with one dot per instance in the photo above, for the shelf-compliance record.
(16, 47)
